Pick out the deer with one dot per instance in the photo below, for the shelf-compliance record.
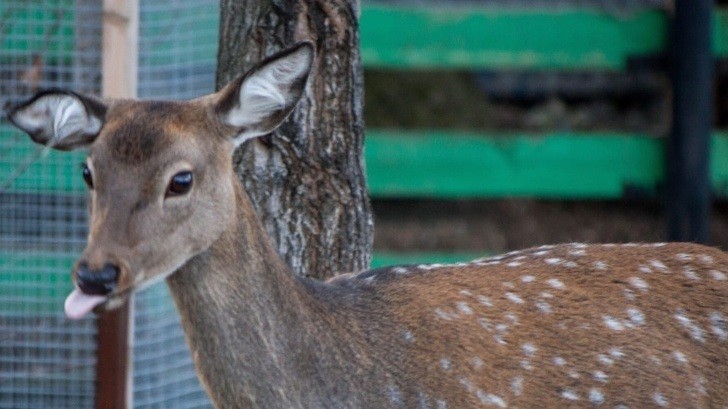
(568, 325)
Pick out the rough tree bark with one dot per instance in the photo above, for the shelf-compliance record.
(306, 179)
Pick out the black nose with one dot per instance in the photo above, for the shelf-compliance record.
(97, 282)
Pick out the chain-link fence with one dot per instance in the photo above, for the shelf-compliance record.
(46, 360)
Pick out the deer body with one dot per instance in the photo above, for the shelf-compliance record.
(570, 325)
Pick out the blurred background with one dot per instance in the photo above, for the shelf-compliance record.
(491, 125)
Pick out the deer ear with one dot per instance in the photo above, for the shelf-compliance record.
(60, 119)
(259, 101)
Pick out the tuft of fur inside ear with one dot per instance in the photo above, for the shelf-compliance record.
(259, 101)
(60, 119)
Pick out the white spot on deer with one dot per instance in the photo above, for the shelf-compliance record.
(486, 263)
(553, 261)
(659, 244)
(400, 270)
(546, 247)
(660, 400)
(695, 331)
(559, 361)
(511, 317)
(467, 384)
(526, 364)
(501, 329)
(514, 264)
(485, 301)
(370, 279)
(600, 376)
(684, 257)
(464, 308)
(465, 293)
(508, 284)
(441, 404)
(659, 265)
(604, 359)
(544, 307)
(639, 283)
(476, 362)
(447, 316)
(691, 274)
(612, 323)
(574, 375)
(485, 323)
(529, 349)
(656, 360)
(718, 325)
(717, 275)
(490, 399)
(569, 394)
(556, 283)
(636, 316)
(394, 394)
(629, 294)
(630, 245)
(445, 364)
(706, 259)
(616, 353)
(600, 265)
(546, 294)
(680, 357)
(644, 269)
(541, 253)
(578, 253)
(514, 298)
(528, 279)
(699, 386)
(595, 396)
(570, 264)
(517, 385)
(407, 335)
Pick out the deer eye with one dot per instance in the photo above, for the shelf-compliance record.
(86, 172)
(180, 184)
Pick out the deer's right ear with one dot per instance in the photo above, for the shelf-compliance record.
(60, 119)
(259, 101)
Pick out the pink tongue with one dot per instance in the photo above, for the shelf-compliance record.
(79, 304)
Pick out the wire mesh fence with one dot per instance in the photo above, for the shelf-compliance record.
(46, 360)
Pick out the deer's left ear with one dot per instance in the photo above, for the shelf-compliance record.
(60, 119)
(259, 101)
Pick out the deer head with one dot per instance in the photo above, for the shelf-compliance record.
(159, 173)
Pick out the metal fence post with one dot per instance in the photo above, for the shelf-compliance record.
(688, 178)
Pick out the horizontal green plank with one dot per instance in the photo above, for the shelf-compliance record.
(720, 32)
(557, 165)
(532, 38)
(528, 38)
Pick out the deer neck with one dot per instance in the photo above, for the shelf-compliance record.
(240, 307)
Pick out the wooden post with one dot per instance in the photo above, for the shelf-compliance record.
(115, 329)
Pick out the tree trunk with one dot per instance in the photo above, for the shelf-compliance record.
(307, 178)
